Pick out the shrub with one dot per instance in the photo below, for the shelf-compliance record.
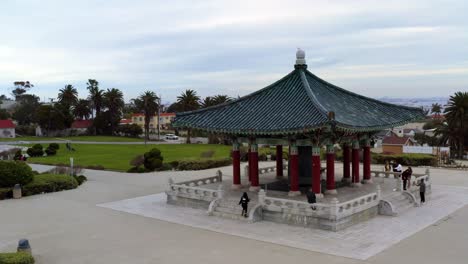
(174, 164)
(202, 164)
(273, 156)
(153, 159)
(80, 179)
(137, 161)
(13, 172)
(50, 151)
(54, 146)
(18, 154)
(262, 157)
(406, 159)
(165, 167)
(35, 151)
(45, 183)
(137, 170)
(16, 258)
(5, 193)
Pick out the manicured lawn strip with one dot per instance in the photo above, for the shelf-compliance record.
(16, 258)
(77, 138)
(45, 183)
(117, 157)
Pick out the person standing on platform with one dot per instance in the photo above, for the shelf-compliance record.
(311, 199)
(422, 191)
(406, 177)
(244, 202)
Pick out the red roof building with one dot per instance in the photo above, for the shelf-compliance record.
(394, 144)
(81, 124)
(7, 124)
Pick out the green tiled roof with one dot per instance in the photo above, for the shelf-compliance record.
(298, 103)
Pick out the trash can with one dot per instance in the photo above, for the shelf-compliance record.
(23, 246)
(17, 191)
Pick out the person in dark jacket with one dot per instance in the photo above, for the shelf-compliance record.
(244, 202)
(312, 199)
(406, 177)
(422, 191)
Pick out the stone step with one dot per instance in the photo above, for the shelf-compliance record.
(230, 216)
(228, 210)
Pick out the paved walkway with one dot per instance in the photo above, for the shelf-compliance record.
(68, 227)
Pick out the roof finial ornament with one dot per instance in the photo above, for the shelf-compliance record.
(300, 57)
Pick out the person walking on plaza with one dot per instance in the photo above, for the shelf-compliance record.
(406, 177)
(244, 202)
(311, 199)
(422, 191)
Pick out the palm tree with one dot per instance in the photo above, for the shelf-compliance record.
(215, 100)
(456, 114)
(68, 96)
(113, 101)
(95, 96)
(188, 101)
(82, 109)
(436, 109)
(147, 103)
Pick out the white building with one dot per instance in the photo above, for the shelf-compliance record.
(7, 129)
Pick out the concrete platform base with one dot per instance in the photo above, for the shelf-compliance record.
(294, 193)
(254, 188)
(236, 187)
(332, 192)
(356, 184)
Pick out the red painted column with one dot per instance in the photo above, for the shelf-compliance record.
(249, 158)
(279, 161)
(294, 170)
(316, 188)
(236, 181)
(253, 164)
(331, 189)
(367, 163)
(355, 164)
(346, 163)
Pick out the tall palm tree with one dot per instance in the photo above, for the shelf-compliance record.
(82, 109)
(147, 103)
(436, 109)
(68, 96)
(95, 96)
(113, 101)
(215, 100)
(188, 101)
(456, 114)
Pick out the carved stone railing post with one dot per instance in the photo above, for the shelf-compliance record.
(220, 191)
(219, 174)
(261, 197)
(428, 173)
(379, 191)
(334, 208)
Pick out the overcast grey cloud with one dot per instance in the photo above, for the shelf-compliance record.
(377, 48)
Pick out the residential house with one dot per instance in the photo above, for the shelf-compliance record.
(164, 118)
(7, 129)
(80, 127)
(394, 144)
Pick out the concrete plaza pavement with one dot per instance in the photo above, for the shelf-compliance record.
(68, 227)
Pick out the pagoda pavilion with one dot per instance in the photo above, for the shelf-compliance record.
(305, 113)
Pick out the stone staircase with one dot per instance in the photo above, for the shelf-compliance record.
(230, 209)
(395, 204)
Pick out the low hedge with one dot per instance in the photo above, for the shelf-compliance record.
(13, 172)
(405, 159)
(16, 258)
(202, 164)
(45, 183)
(5, 193)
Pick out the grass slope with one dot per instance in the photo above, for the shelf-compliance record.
(117, 157)
(77, 138)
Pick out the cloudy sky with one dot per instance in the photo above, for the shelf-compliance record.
(416, 48)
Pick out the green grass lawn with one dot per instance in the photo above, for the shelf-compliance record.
(117, 157)
(77, 138)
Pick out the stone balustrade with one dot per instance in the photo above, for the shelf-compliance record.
(192, 190)
(385, 174)
(203, 181)
(332, 211)
(264, 169)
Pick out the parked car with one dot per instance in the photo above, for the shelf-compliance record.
(171, 137)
